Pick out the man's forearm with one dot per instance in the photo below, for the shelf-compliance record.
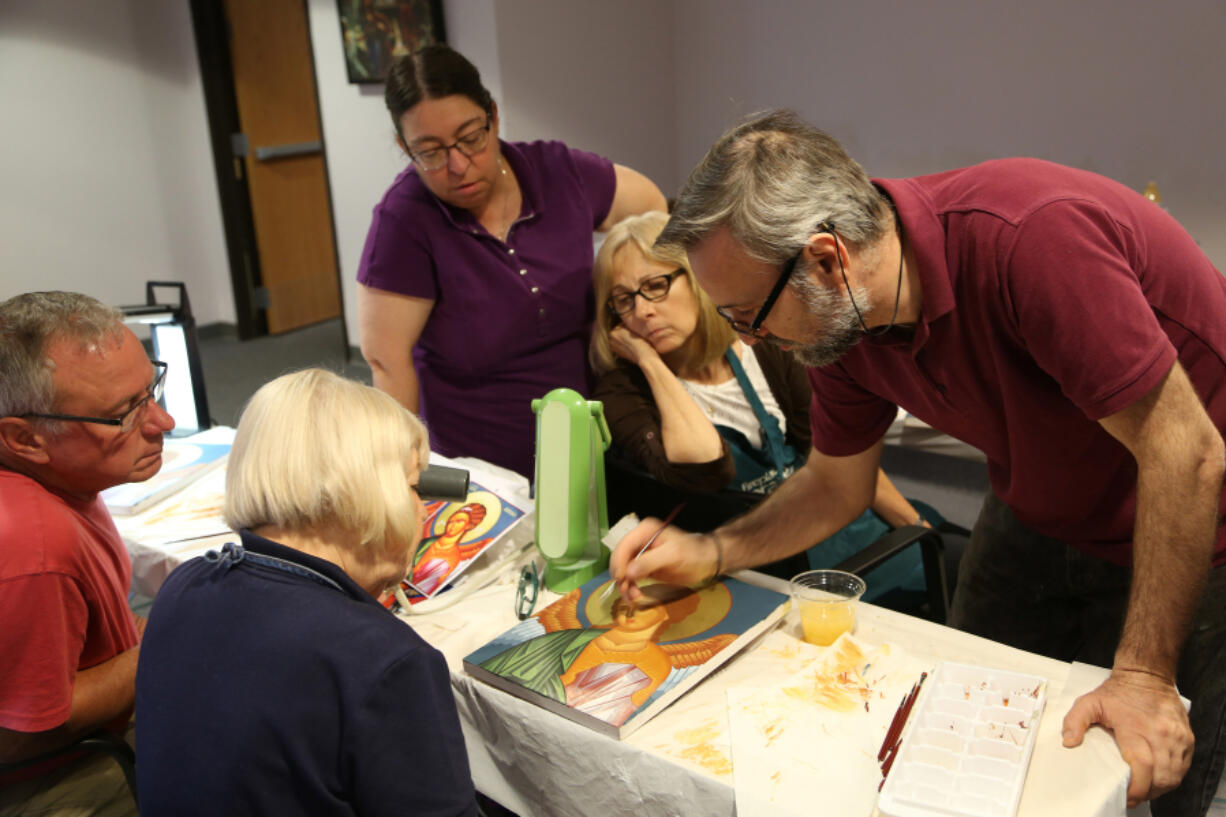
(1180, 459)
(806, 509)
(1176, 528)
(99, 695)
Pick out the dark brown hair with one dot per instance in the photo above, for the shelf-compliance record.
(432, 72)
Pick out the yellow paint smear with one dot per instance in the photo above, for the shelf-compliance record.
(705, 733)
(698, 749)
(786, 653)
(772, 731)
(831, 694)
(708, 757)
(838, 684)
(846, 658)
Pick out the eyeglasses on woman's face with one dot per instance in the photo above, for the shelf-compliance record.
(130, 418)
(469, 144)
(654, 288)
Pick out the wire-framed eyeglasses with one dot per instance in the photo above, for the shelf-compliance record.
(754, 328)
(654, 288)
(469, 144)
(129, 419)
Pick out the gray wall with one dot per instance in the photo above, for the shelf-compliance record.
(106, 178)
(596, 75)
(1127, 88)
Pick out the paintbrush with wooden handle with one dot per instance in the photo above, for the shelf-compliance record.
(608, 591)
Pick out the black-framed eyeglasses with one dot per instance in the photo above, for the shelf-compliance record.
(128, 421)
(470, 144)
(525, 593)
(754, 327)
(654, 288)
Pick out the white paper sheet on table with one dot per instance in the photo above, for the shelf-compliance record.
(1099, 758)
(191, 514)
(812, 734)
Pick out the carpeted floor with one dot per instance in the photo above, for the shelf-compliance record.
(234, 369)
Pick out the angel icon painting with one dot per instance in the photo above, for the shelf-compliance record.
(612, 661)
(454, 534)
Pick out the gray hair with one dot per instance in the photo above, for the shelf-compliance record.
(29, 325)
(771, 180)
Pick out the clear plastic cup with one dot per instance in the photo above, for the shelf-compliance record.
(826, 602)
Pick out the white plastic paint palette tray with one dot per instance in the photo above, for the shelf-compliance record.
(967, 745)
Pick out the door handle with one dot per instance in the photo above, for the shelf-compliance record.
(265, 154)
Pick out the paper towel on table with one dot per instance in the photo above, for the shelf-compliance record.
(816, 734)
(1097, 785)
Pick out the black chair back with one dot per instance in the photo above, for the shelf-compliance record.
(632, 490)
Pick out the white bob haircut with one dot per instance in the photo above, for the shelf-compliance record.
(314, 449)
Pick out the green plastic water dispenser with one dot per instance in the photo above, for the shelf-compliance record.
(571, 513)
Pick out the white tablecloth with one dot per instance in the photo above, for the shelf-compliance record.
(537, 763)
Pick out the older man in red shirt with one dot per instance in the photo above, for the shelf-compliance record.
(1062, 324)
(78, 413)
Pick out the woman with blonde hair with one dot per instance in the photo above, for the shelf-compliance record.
(691, 404)
(672, 397)
(271, 680)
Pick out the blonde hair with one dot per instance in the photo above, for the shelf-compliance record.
(712, 334)
(315, 449)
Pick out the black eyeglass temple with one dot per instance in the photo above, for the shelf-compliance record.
(784, 277)
(776, 290)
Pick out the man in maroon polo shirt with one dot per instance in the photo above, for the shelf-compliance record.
(1059, 322)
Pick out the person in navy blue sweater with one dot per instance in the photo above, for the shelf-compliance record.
(271, 680)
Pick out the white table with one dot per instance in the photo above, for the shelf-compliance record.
(536, 763)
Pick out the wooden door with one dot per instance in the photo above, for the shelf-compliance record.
(280, 150)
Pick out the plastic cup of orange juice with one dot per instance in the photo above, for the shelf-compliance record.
(826, 601)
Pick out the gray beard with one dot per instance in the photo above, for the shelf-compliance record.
(839, 325)
(828, 351)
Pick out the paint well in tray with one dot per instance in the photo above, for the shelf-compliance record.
(967, 747)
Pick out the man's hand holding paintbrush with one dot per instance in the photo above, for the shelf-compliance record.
(809, 507)
(666, 554)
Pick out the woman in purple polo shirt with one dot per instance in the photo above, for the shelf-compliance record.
(474, 291)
